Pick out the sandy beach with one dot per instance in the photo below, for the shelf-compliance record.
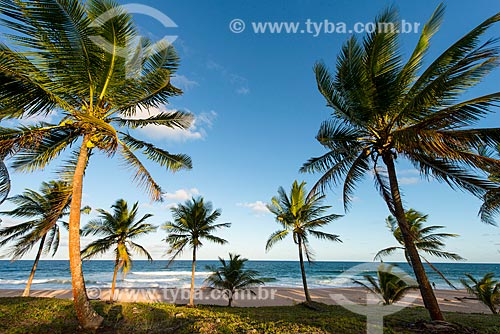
(449, 300)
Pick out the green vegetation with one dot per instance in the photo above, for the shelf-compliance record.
(486, 289)
(4, 181)
(118, 229)
(425, 240)
(194, 222)
(41, 213)
(94, 91)
(385, 108)
(301, 215)
(232, 276)
(390, 287)
(43, 315)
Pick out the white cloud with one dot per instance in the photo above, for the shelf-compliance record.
(197, 130)
(183, 82)
(408, 180)
(170, 206)
(243, 90)
(257, 207)
(408, 172)
(181, 195)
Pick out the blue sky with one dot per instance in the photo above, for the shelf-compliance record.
(257, 112)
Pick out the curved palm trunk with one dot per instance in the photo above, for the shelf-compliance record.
(87, 317)
(303, 272)
(26, 292)
(426, 291)
(113, 283)
(193, 270)
(230, 298)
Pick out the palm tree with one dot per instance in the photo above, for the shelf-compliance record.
(194, 221)
(388, 286)
(117, 230)
(487, 290)
(491, 200)
(385, 108)
(232, 277)
(425, 240)
(42, 212)
(59, 68)
(4, 182)
(300, 215)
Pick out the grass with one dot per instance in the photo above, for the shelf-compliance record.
(45, 315)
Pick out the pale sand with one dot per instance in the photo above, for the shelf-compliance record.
(449, 300)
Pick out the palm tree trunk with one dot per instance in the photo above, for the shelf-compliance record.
(87, 317)
(426, 291)
(113, 283)
(303, 271)
(193, 270)
(26, 292)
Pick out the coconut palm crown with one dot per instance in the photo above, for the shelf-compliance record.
(118, 230)
(486, 289)
(231, 276)
(425, 239)
(386, 108)
(302, 216)
(388, 286)
(194, 222)
(42, 214)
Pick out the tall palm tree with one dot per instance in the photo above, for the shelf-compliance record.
(385, 108)
(300, 215)
(425, 240)
(231, 276)
(42, 212)
(117, 230)
(194, 221)
(388, 286)
(53, 64)
(486, 289)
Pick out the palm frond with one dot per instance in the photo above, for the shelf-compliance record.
(176, 119)
(275, 237)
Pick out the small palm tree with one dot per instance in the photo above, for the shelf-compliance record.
(387, 108)
(388, 286)
(300, 215)
(232, 277)
(425, 240)
(43, 212)
(487, 290)
(194, 221)
(118, 229)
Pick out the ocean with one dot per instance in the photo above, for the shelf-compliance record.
(55, 274)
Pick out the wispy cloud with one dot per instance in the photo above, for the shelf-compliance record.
(257, 207)
(198, 130)
(184, 82)
(408, 180)
(181, 195)
(239, 82)
(243, 91)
